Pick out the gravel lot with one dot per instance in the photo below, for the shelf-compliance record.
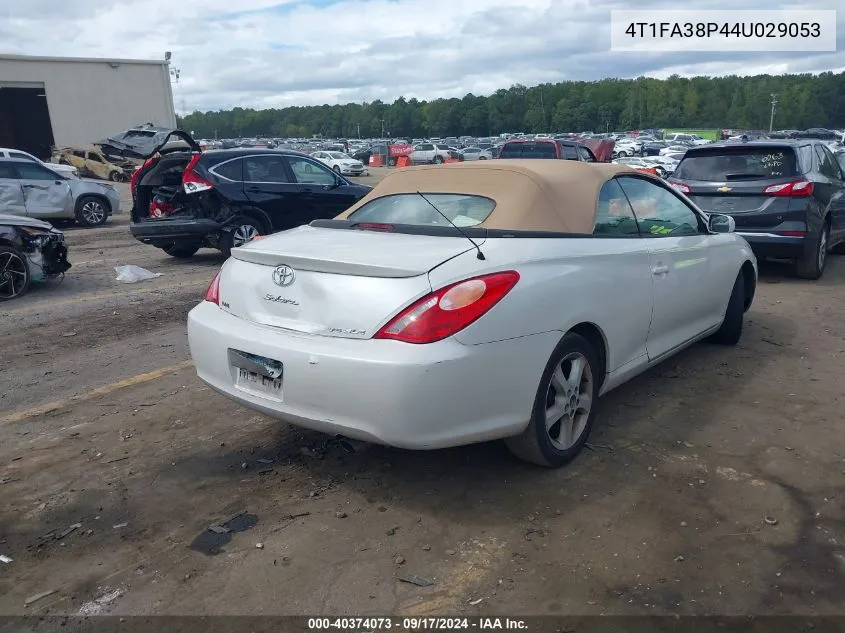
(714, 483)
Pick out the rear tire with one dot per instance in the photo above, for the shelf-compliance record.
(243, 229)
(438, 160)
(336, 168)
(564, 406)
(812, 265)
(116, 176)
(731, 330)
(14, 273)
(181, 250)
(91, 211)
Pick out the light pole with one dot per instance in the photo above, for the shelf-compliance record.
(772, 117)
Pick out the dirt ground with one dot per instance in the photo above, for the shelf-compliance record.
(713, 484)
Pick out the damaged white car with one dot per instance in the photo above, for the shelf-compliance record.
(30, 250)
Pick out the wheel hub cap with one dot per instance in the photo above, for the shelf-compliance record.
(244, 234)
(569, 401)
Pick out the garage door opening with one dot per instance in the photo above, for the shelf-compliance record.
(25, 120)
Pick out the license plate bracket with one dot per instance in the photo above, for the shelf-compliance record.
(258, 375)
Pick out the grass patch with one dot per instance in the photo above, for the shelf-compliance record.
(710, 135)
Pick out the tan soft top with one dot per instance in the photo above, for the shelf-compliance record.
(530, 195)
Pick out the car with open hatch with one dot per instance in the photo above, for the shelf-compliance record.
(470, 302)
(185, 199)
(787, 197)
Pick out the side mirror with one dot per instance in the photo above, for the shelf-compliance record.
(719, 223)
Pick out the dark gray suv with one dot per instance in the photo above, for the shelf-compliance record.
(786, 197)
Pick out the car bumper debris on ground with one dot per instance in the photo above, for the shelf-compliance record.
(712, 484)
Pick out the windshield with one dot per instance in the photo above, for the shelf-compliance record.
(338, 155)
(747, 163)
(411, 208)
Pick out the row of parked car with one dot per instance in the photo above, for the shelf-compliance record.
(787, 197)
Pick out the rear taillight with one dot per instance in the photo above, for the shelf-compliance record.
(796, 189)
(449, 310)
(133, 180)
(213, 292)
(192, 182)
(792, 233)
(679, 186)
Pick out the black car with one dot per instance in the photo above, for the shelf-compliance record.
(652, 148)
(787, 197)
(185, 199)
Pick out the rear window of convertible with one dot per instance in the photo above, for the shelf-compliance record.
(412, 208)
(744, 163)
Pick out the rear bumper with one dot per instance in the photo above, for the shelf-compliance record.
(409, 396)
(777, 246)
(166, 229)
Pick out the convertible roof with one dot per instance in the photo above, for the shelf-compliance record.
(530, 195)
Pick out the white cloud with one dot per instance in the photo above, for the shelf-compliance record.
(266, 53)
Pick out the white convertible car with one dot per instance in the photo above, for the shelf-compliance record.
(472, 301)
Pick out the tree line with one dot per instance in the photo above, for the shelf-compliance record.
(803, 101)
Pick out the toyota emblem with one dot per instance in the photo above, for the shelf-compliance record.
(283, 276)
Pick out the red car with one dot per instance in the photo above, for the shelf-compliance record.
(589, 151)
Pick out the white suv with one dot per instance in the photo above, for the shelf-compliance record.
(65, 170)
(429, 153)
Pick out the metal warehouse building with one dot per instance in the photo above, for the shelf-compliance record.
(70, 101)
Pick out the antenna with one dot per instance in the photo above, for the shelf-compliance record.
(445, 217)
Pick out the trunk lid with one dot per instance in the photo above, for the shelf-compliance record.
(331, 282)
(734, 197)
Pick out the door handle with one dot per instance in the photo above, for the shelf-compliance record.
(659, 270)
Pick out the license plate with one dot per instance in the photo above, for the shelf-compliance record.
(259, 385)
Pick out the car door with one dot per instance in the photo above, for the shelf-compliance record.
(689, 278)
(95, 166)
(832, 189)
(324, 193)
(627, 260)
(46, 193)
(323, 157)
(76, 158)
(11, 191)
(269, 186)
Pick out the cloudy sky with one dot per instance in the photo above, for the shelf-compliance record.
(266, 53)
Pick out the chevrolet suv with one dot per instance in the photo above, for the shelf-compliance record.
(786, 197)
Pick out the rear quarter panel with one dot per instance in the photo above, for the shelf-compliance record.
(563, 282)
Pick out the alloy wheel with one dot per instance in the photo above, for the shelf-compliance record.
(12, 275)
(823, 248)
(569, 400)
(243, 234)
(93, 212)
